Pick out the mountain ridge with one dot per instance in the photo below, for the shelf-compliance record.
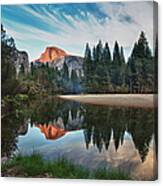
(50, 54)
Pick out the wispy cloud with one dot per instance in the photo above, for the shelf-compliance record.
(55, 25)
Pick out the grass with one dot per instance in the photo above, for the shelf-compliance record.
(36, 166)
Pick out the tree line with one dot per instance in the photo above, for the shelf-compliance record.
(103, 72)
(54, 80)
(106, 73)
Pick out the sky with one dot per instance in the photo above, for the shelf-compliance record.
(71, 26)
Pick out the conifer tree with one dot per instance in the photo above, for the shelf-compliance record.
(116, 54)
(122, 55)
(115, 69)
(99, 52)
(103, 74)
(141, 67)
(8, 57)
(88, 68)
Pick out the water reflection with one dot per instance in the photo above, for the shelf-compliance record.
(50, 131)
(94, 136)
(138, 122)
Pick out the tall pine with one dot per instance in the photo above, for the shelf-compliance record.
(140, 67)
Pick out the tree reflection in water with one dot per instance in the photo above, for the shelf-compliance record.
(56, 117)
(102, 121)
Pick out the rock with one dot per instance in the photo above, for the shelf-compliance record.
(22, 59)
(56, 58)
(73, 63)
(51, 54)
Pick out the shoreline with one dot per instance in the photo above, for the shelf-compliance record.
(121, 100)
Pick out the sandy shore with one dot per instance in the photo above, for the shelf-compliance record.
(126, 100)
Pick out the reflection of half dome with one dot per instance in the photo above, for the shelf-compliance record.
(51, 132)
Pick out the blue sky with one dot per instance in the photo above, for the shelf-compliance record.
(70, 26)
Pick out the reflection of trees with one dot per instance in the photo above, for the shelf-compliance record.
(98, 122)
(9, 132)
(46, 113)
(141, 126)
(101, 121)
(71, 114)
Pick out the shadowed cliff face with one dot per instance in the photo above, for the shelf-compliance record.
(51, 132)
(51, 54)
(22, 60)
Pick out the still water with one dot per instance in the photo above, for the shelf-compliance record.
(88, 135)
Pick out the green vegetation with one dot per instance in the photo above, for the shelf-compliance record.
(35, 166)
(40, 81)
(104, 74)
(45, 77)
(8, 71)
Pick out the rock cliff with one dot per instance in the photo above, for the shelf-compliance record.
(51, 54)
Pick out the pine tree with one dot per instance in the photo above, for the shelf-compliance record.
(122, 68)
(141, 67)
(100, 69)
(106, 55)
(94, 53)
(98, 52)
(88, 68)
(116, 54)
(103, 74)
(105, 69)
(122, 56)
(8, 57)
(143, 49)
(115, 68)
